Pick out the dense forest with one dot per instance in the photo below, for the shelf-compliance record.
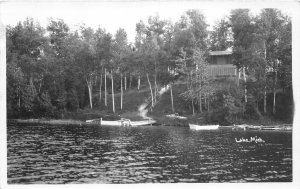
(54, 70)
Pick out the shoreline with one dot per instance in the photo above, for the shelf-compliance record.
(70, 122)
(61, 122)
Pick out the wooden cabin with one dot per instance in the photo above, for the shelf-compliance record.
(220, 64)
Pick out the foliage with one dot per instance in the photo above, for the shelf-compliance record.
(54, 70)
(226, 104)
(220, 37)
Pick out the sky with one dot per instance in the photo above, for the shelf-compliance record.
(113, 15)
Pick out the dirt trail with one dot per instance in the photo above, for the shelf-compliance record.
(142, 111)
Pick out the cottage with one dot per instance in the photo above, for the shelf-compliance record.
(220, 64)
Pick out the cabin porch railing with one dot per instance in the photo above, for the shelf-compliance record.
(222, 70)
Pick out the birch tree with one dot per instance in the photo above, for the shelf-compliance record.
(86, 59)
(120, 51)
(243, 35)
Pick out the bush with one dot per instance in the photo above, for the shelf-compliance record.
(251, 111)
(43, 106)
(72, 103)
(226, 106)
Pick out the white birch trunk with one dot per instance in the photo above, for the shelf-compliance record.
(112, 91)
(105, 88)
(152, 102)
(265, 92)
(155, 88)
(125, 83)
(89, 84)
(274, 93)
(200, 102)
(121, 91)
(139, 82)
(246, 99)
(193, 107)
(172, 102)
(208, 108)
(265, 99)
(19, 98)
(100, 89)
(205, 102)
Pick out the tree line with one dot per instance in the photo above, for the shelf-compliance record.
(52, 70)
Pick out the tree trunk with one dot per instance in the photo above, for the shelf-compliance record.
(121, 91)
(274, 93)
(155, 88)
(265, 92)
(19, 98)
(193, 107)
(172, 102)
(112, 91)
(100, 89)
(205, 101)
(105, 88)
(237, 71)
(265, 100)
(139, 82)
(125, 83)
(208, 108)
(40, 84)
(31, 81)
(32, 87)
(245, 96)
(200, 102)
(200, 93)
(150, 90)
(90, 86)
(95, 82)
(130, 80)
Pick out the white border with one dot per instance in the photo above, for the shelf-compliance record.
(291, 5)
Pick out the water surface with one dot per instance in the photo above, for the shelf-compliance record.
(78, 154)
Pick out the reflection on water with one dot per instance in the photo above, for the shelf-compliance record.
(77, 154)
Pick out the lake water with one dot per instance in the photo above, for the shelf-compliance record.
(77, 154)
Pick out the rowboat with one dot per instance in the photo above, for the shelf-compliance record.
(203, 127)
(123, 122)
(127, 123)
(142, 123)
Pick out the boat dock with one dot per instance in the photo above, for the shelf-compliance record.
(284, 127)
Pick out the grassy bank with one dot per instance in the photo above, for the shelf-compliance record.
(133, 98)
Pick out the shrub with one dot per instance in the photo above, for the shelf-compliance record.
(72, 103)
(251, 111)
(226, 106)
(43, 106)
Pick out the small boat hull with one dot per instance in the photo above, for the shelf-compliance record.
(111, 123)
(128, 123)
(203, 127)
(142, 123)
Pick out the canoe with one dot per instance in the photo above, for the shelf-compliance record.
(127, 122)
(203, 127)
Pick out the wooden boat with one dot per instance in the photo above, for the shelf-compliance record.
(203, 127)
(142, 123)
(127, 123)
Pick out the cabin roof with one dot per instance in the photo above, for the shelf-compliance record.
(219, 53)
